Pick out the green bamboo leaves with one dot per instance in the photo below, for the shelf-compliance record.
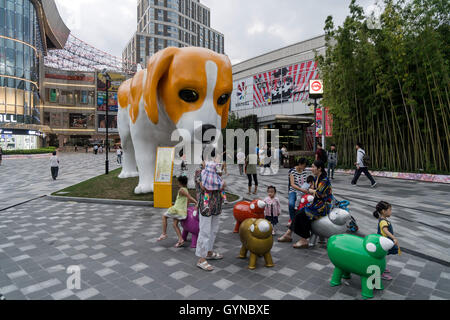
(388, 87)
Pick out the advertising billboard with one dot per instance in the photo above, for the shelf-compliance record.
(242, 94)
(112, 123)
(78, 121)
(116, 80)
(287, 84)
(113, 103)
(319, 122)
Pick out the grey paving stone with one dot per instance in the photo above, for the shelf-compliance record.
(308, 271)
(87, 294)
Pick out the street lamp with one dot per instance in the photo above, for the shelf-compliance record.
(108, 83)
(316, 92)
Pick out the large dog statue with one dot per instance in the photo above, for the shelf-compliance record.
(180, 87)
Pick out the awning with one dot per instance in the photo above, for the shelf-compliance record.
(300, 119)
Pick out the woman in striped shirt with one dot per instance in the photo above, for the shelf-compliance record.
(297, 177)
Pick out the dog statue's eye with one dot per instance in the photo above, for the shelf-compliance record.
(223, 99)
(189, 95)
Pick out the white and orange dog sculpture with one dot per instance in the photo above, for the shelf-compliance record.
(179, 87)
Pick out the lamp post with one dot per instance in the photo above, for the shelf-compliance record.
(316, 92)
(315, 125)
(108, 83)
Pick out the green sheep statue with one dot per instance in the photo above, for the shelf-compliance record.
(365, 257)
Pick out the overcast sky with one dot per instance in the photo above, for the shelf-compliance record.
(251, 27)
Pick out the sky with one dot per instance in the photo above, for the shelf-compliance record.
(251, 27)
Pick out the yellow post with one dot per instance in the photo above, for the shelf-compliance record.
(162, 196)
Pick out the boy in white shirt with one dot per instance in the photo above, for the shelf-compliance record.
(54, 165)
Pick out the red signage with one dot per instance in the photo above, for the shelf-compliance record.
(319, 122)
(67, 77)
(329, 123)
(316, 86)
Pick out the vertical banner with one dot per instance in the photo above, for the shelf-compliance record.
(319, 122)
(329, 123)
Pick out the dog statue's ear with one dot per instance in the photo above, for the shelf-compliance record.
(158, 66)
(226, 108)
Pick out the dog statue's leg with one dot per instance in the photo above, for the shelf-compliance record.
(145, 159)
(145, 141)
(129, 161)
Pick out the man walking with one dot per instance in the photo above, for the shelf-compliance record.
(332, 161)
(361, 167)
(119, 155)
(241, 161)
(54, 165)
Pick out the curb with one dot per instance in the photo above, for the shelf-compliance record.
(102, 201)
(24, 156)
(433, 178)
(134, 203)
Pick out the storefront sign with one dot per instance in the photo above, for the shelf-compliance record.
(21, 132)
(8, 118)
(315, 89)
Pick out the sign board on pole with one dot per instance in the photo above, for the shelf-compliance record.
(162, 196)
(329, 123)
(316, 89)
(319, 122)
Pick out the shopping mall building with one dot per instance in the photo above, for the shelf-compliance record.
(273, 89)
(28, 29)
(74, 107)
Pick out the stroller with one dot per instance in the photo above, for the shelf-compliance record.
(352, 226)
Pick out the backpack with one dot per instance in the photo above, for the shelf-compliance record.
(323, 156)
(366, 160)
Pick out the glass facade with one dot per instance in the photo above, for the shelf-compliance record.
(19, 65)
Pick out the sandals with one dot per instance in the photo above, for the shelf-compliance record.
(214, 256)
(179, 244)
(205, 266)
(386, 277)
(162, 237)
(298, 245)
(285, 239)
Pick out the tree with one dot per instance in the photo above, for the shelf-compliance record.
(389, 87)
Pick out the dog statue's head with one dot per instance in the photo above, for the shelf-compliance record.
(190, 84)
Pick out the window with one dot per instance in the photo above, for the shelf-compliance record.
(84, 97)
(66, 97)
(52, 95)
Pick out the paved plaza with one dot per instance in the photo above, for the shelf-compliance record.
(115, 245)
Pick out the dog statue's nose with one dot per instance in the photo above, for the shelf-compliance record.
(205, 129)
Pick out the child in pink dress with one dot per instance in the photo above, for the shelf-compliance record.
(273, 207)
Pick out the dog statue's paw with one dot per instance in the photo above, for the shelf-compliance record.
(126, 175)
(143, 189)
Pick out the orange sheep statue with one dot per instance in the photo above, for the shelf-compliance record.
(248, 210)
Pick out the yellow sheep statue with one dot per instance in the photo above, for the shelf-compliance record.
(256, 237)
